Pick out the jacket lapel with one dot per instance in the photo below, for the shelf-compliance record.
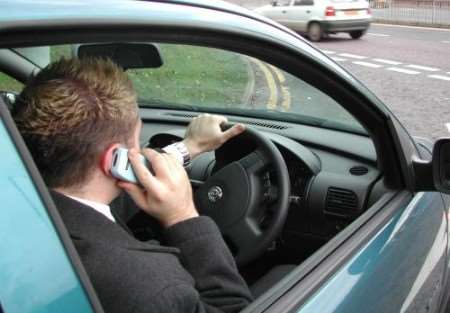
(84, 223)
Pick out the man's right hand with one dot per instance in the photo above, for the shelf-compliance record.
(167, 195)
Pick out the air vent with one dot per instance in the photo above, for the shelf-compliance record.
(187, 115)
(359, 170)
(260, 124)
(265, 124)
(341, 201)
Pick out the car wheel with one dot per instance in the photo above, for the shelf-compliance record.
(357, 34)
(315, 31)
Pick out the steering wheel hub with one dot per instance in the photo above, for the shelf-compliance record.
(215, 193)
(225, 195)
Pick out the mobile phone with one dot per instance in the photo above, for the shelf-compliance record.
(121, 167)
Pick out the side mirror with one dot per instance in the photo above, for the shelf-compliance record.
(274, 3)
(435, 174)
(441, 165)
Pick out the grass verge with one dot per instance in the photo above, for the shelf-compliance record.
(190, 75)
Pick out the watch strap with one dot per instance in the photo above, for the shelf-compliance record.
(180, 151)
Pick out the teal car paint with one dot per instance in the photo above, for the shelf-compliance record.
(413, 283)
(35, 273)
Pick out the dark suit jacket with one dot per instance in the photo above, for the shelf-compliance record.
(195, 272)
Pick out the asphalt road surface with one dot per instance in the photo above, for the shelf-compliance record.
(408, 68)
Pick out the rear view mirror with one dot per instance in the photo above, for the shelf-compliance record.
(441, 165)
(127, 55)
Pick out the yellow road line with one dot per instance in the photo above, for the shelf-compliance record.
(286, 103)
(273, 93)
(279, 74)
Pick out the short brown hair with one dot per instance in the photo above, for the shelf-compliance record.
(70, 112)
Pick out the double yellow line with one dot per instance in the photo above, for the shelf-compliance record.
(275, 81)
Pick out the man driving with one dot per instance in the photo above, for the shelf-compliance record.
(73, 115)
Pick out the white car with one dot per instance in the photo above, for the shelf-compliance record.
(319, 17)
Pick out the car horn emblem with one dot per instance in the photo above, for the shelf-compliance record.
(215, 194)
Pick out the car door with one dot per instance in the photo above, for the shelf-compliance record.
(384, 261)
(400, 269)
(300, 14)
(395, 262)
(280, 12)
(37, 267)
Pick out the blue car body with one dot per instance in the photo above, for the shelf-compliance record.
(398, 262)
(36, 275)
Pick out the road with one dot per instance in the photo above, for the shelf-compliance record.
(408, 68)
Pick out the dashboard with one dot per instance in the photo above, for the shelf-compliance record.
(332, 174)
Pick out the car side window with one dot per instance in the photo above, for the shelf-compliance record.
(303, 2)
(281, 3)
(9, 84)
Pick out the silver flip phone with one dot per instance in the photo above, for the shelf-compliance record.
(121, 167)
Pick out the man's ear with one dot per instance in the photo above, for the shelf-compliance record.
(106, 158)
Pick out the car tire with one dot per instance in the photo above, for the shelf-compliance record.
(357, 34)
(315, 31)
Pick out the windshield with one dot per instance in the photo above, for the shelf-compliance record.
(207, 79)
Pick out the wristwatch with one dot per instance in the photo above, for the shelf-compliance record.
(180, 151)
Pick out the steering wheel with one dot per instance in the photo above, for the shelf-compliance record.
(247, 197)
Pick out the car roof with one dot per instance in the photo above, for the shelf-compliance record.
(22, 10)
(28, 15)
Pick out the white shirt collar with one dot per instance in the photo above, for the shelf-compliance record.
(97, 206)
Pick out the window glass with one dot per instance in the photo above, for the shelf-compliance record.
(7, 83)
(193, 76)
(62, 51)
(283, 2)
(304, 2)
(222, 81)
(196, 77)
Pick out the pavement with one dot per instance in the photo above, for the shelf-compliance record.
(424, 14)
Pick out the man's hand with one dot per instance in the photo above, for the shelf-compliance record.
(167, 195)
(204, 133)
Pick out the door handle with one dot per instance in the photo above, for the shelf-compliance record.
(308, 11)
(283, 11)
